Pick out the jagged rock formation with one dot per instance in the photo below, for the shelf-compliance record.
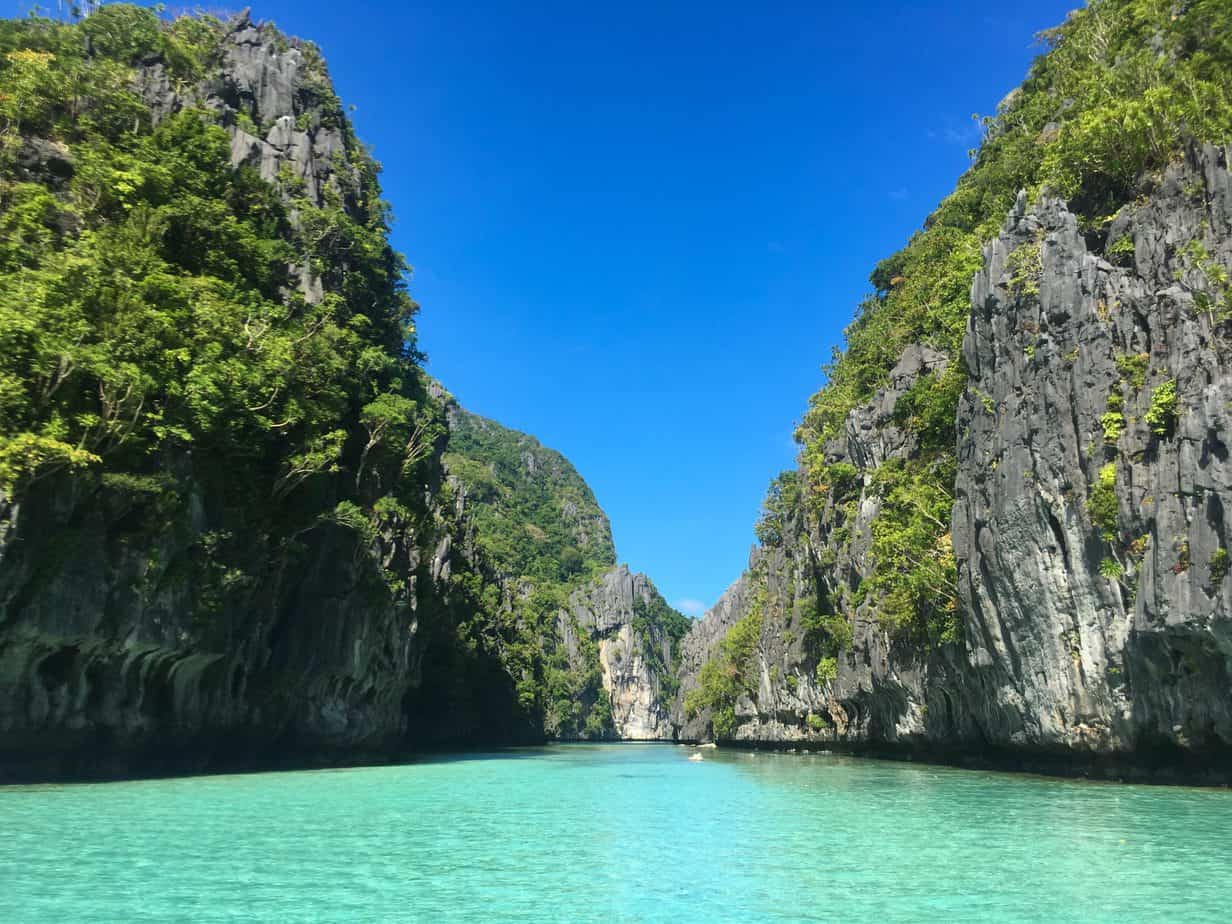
(876, 692)
(112, 659)
(701, 645)
(148, 632)
(275, 98)
(1006, 536)
(1092, 630)
(638, 650)
(257, 533)
(1089, 525)
(190, 614)
(604, 643)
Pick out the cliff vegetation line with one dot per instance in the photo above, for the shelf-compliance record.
(1006, 534)
(238, 523)
(1123, 87)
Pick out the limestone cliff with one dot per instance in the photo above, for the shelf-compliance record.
(810, 678)
(1005, 539)
(166, 621)
(1093, 477)
(595, 646)
(351, 582)
(1088, 526)
(637, 637)
(239, 526)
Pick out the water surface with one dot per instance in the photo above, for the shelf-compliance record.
(616, 833)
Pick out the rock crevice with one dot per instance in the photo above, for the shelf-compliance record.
(1088, 523)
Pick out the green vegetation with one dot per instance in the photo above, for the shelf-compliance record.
(1216, 298)
(1102, 504)
(1219, 566)
(725, 677)
(153, 329)
(539, 529)
(825, 633)
(1111, 569)
(1133, 368)
(577, 706)
(827, 670)
(1161, 415)
(535, 518)
(1122, 250)
(915, 575)
(927, 408)
(1026, 268)
(657, 619)
(1113, 421)
(782, 498)
(1123, 86)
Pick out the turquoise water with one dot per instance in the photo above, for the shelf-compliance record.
(615, 833)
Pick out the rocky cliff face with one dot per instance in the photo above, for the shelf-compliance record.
(118, 655)
(1088, 528)
(205, 615)
(869, 688)
(144, 630)
(1093, 475)
(637, 651)
(201, 604)
(602, 641)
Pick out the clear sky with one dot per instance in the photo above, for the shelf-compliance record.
(639, 228)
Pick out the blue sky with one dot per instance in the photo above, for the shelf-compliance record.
(638, 229)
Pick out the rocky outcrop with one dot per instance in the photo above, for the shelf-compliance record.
(173, 617)
(120, 652)
(637, 652)
(275, 98)
(1089, 525)
(188, 620)
(142, 634)
(1093, 475)
(700, 645)
(876, 691)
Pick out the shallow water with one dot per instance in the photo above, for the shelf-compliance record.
(619, 832)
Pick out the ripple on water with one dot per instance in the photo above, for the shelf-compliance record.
(615, 833)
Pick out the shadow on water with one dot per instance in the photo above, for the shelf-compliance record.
(574, 752)
(982, 810)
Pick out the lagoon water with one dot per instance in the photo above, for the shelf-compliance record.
(618, 832)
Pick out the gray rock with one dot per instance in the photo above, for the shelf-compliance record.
(1072, 659)
(1058, 662)
(119, 654)
(637, 669)
(878, 693)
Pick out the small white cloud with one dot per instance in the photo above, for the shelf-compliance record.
(966, 133)
(956, 131)
(691, 607)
